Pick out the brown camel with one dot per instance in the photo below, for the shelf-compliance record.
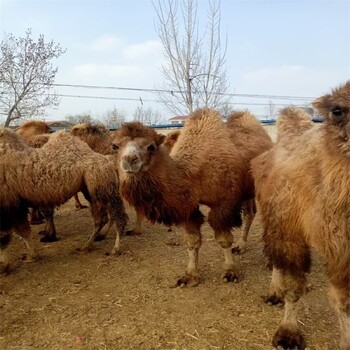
(303, 189)
(205, 167)
(49, 176)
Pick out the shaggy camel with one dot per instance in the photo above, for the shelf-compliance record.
(96, 136)
(49, 176)
(303, 190)
(167, 144)
(205, 167)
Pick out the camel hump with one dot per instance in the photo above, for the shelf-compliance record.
(292, 122)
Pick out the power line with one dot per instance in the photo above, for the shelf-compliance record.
(178, 91)
(159, 101)
(172, 92)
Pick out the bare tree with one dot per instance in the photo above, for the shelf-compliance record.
(114, 118)
(27, 75)
(147, 116)
(80, 118)
(195, 69)
(271, 109)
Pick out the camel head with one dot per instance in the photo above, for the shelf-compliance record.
(138, 146)
(32, 128)
(335, 107)
(96, 136)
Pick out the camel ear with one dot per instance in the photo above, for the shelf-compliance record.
(160, 139)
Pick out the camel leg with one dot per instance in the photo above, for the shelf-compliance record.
(288, 335)
(138, 228)
(98, 224)
(291, 261)
(119, 219)
(23, 229)
(276, 289)
(78, 204)
(5, 238)
(340, 297)
(225, 239)
(49, 232)
(222, 219)
(249, 211)
(35, 216)
(193, 239)
(116, 248)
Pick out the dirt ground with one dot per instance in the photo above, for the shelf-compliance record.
(70, 300)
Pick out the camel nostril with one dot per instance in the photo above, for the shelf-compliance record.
(130, 160)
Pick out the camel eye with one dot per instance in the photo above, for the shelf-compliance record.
(115, 147)
(151, 148)
(337, 113)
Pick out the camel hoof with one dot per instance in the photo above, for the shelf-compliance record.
(188, 281)
(273, 300)
(230, 276)
(288, 339)
(132, 233)
(116, 252)
(48, 238)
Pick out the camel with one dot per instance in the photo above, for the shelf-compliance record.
(168, 142)
(49, 176)
(204, 167)
(95, 135)
(303, 191)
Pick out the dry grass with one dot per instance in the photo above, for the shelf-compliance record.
(93, 301)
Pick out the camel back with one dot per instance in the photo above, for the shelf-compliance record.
(32, 128)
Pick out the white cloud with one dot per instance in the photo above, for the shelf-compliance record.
(143, 51)
(106, 43)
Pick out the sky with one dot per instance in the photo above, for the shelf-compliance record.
(298, 48)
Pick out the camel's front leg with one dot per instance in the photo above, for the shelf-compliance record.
(193, 239)
(138, 228)
(225, 239)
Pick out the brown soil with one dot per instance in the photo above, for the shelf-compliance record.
(70, 300)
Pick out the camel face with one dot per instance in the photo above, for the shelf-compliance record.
(336, 108)
(137, 155)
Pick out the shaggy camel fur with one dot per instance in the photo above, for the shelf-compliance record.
(205, 167)
(36, 134)
(303, 188)
(32, 128)
(243, 126)
(49, 176)
(99, 140)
